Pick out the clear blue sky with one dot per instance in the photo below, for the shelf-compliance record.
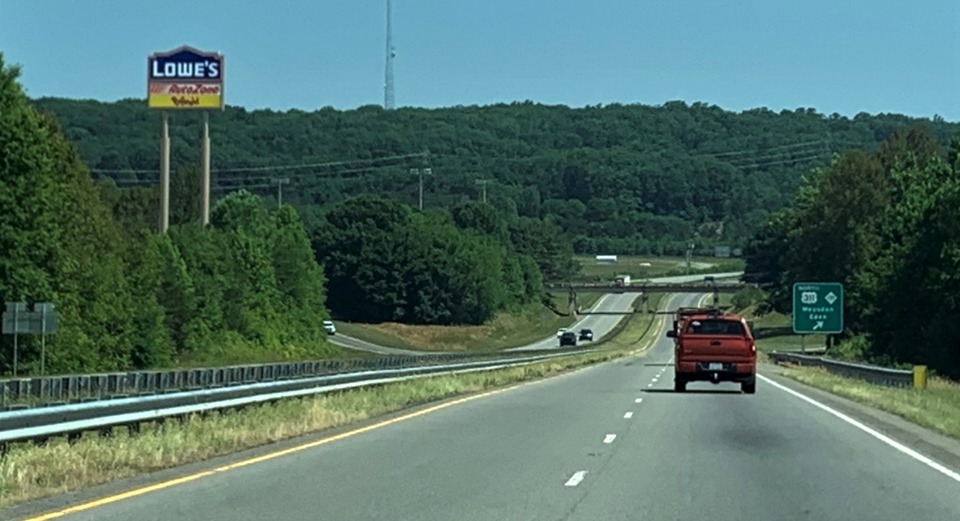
(843, 56)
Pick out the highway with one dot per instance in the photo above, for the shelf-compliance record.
(603, 324)
(600, 324)
(610, 442)
(362, 345)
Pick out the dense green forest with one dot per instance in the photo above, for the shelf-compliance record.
(249, 287)
(615, 178)
(886, 225)
(402, 266)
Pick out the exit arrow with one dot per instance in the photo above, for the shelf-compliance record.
(819, 325)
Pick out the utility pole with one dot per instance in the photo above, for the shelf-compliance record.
(280, 183)
(483, 185)
(421, 172)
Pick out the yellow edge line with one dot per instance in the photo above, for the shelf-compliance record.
(193, 477)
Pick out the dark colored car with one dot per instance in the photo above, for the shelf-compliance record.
(568, 338)
(586, 334)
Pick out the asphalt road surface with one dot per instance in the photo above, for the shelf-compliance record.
(600, 324)
(603, 324)
(363, 345)
(610, 442)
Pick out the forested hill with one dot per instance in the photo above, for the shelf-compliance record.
(616, 178)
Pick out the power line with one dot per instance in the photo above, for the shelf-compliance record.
(786, 161)
(255, 179)
(775, 157)
(764, 151)
(277, 168)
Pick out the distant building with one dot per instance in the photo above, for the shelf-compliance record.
(721, 251)
(606, 259)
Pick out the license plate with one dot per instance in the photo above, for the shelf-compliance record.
(715, 367)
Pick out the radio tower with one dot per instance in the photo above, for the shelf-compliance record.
(388, 102)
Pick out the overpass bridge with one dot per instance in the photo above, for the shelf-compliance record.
(652, 287)
(643, 289)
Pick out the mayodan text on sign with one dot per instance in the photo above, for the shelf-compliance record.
(185, 78)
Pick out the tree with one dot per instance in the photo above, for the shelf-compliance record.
(629, 177)
(389, 263)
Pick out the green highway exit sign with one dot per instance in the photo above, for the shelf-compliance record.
(817, 307)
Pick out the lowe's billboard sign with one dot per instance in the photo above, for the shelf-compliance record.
(185, 78)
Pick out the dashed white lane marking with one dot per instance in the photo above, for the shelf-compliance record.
(628, 415)
(609, 439)
(654, 380)
(638, 400)
(952, 474)
(650, 384)
(576, 478)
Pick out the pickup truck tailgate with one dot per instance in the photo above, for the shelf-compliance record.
(714, 347)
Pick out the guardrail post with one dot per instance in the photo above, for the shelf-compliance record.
(920, 377)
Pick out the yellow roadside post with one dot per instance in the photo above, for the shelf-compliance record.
(919, 377)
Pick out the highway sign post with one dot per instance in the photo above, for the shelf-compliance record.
(817, 308)
(17, 320)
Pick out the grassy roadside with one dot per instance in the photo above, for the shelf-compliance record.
(774, 331)
(643, 266)
(936, 408)
(636, 328)
(30, 472)
(535, 323)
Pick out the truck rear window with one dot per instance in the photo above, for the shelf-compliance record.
(716, 327)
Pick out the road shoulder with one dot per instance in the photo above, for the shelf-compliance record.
(57, 502)
(941, 448)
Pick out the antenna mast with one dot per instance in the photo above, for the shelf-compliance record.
(388, 102)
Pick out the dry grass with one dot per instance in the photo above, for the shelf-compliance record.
(504, 331)
(30, 472)
(637, 328)
(937, 407)
(635, 266)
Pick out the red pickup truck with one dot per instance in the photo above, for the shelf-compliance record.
(713, 346)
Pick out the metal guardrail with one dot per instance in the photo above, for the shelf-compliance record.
(870, 373)
(72, 420)
(664, 287)
(57, 390)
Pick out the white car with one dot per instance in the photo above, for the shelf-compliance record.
(561, 331)
(329, 326)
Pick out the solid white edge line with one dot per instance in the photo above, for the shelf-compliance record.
(576, 478)
(627, 415)
(952, 474)
(609, 439)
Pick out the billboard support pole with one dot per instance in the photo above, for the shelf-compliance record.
(16, 323)
(165, 175)
(205, 160)
(43, 340)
